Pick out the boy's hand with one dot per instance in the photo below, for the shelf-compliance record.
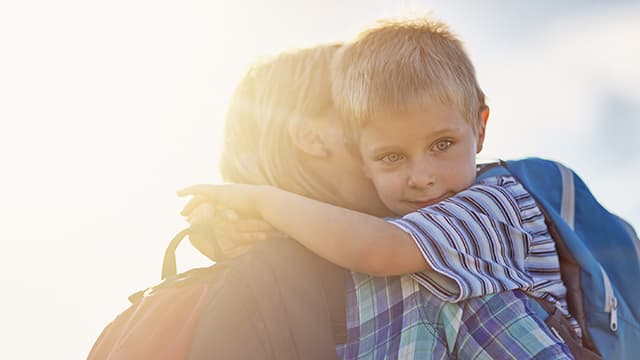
(239, 197)
(235, 234)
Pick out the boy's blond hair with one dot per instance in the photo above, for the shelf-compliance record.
(400, 64)
(275, 94)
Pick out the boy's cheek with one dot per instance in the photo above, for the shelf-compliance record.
(387, 185)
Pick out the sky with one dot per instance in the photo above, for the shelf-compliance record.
(107, 108)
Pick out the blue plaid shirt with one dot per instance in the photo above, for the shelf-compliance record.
(487, 246)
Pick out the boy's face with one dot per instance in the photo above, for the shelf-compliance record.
(421, 156)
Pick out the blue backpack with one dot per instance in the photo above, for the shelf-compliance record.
(599, 255)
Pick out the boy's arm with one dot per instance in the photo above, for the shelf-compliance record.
(353, 240)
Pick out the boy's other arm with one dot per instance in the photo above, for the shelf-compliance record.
(350, 239)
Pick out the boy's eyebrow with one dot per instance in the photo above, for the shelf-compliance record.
(441, 132)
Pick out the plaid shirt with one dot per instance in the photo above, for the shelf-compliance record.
(486, 245)
(394, 318)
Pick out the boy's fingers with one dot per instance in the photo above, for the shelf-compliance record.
(230, 215)
(253, 225)
(240, 223)
(200, 189)
(204, 213)
(224, 215)
(193, 204)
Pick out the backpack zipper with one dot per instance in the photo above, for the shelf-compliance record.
(610, 301)
(567, 212)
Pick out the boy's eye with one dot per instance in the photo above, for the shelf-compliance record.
(442, 145)
(391, 158)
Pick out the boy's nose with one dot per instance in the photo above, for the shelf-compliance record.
(421, 177)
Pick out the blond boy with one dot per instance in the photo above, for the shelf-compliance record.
(417, 117)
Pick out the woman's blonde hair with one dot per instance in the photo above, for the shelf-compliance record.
(274, 94)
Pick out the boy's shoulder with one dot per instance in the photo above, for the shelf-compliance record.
(493, 173)
(496, 181)
(500, 185)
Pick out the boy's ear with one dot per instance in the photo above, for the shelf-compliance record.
(307, 138)
(482, 127)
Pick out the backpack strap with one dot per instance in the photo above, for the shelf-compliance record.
(560, 326)
(568, 204)
(169, 268)
(201, 230)
(169, 261)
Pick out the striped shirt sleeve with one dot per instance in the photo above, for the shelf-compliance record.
(473, 241)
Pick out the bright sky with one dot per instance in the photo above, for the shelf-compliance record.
(106, 108)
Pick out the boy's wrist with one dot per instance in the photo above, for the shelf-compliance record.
(264, 195)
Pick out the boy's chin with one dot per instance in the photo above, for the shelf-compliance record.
(402, 209)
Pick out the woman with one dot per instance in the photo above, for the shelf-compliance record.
(281, 130)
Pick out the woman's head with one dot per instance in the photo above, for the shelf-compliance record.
(281, 129)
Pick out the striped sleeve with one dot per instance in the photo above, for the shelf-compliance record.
(473, 241)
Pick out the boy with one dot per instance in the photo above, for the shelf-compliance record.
(417, 117)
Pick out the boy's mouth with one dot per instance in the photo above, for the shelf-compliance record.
(423, 203)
